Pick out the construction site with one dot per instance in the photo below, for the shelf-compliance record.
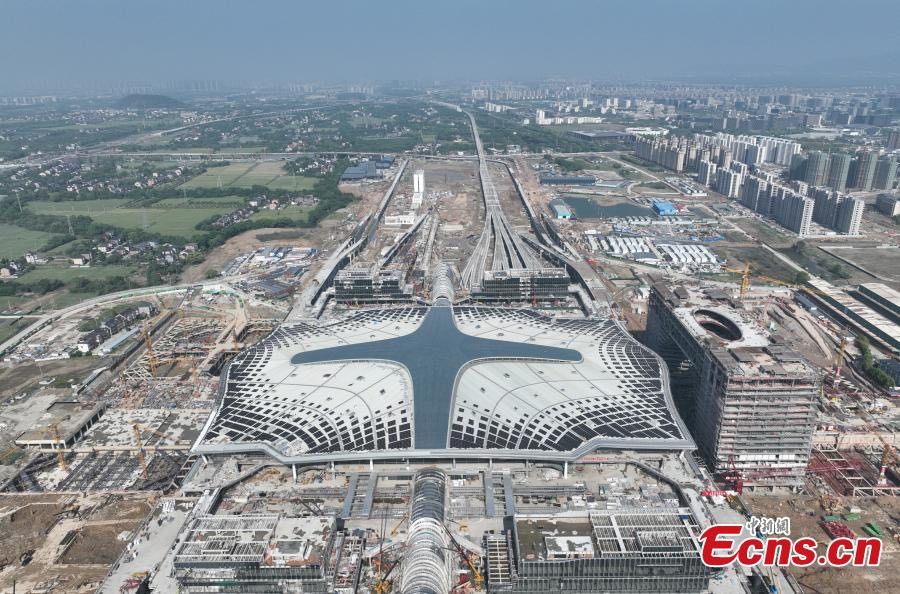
(455, 390)
(348, 530)
(129, 424)
(66, 542)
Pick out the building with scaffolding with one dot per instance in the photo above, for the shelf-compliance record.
(629, 550)
(749, 402)
(371, 285)
(521, 284)
(260, 553)
(62, 424)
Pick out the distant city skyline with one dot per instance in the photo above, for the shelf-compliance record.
(57, 44)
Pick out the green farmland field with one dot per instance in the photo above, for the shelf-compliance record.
(170, 216)
(15, 241)
(211, 202)
(246, 175)
(296, 213)
(76, 207)
(166, 221)
(66, 273)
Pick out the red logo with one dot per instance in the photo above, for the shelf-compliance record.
(721, 546)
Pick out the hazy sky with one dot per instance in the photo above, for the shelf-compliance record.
(48, 41)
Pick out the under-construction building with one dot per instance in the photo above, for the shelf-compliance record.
(540, 284)
(371, 285)
(639, 550)
(749, 402)
(264, 553)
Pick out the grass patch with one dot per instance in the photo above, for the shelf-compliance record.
(296, 213)
(646, 165)
(247, 175)
(762, 263)
(879, 261)
(65, 273)
(169, 216)
(292, 183)
(211, 202)
(67, 299)
(15, 241)
(166, 221)
(572, 165)
(765, 232)
(818, 262)
(14, 303)
(9, 328)
(76, 207)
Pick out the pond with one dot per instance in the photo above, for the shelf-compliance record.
(585, 208)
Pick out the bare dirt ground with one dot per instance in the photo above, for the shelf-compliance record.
(806, 513)
(460, 209)
(882, 262)
(36, 525)
(325, 236)
(95, 545)
(538, 196)
(255, 239)
(21, 377)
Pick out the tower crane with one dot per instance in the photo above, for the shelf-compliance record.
(477, 577)
(885, 456)
(58, 446)
(745, 279)
(839, 359)
(151, 356)
(139, 443)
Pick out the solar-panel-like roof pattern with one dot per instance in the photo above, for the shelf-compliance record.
(441, 378)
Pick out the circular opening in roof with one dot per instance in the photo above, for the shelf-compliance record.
(718, 324)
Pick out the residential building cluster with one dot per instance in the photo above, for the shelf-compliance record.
(496, 107)
(733, 166)
(75, 177)
(797, 208)
(113, 325)
(865, 171)
(541, 119)
(888, 204)
(680, 153)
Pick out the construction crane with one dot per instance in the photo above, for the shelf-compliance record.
(58, 445)
(384, 583)
(151, 356)
(733, 476)
(139, 442)
(396, 529)
(476, 574)
(745, 279)
(885, 456)
(839, 359)
(139, 449)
